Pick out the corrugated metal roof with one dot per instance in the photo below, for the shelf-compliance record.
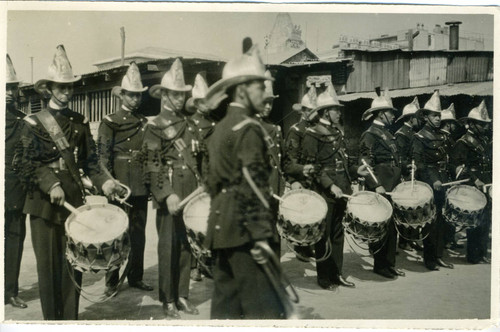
(279, 58)
(472, 89)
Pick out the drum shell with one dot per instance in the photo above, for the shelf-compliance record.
(93, 257)
(196, 238)
(462, 217)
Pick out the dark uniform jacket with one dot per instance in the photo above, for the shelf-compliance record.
(237, 216)
(165, 170)
(378, 148)
(404, 138)
(430, 154)
(293, 163)
(40, 164)
(204, 126)
(14, 192)
(275, 156)
(325, 147)
(119, 140)
(476, 154)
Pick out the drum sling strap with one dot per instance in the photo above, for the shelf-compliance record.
(386, 139)
(57, 136)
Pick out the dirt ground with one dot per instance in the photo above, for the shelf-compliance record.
(461, 293)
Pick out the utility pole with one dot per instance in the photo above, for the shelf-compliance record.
(122, 34)
(31, 69)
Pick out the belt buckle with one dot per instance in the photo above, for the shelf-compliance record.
(62, 164)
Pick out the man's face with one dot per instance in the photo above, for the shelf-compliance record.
(414, 122)
(12, 92)
(434, 119)
(387, 117)
(173, 99)
(61, 92)
(334, 115)
(254, 92)
(131, 100)
(268, 107)
(483, 128)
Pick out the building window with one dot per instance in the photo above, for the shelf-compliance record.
(429, 40)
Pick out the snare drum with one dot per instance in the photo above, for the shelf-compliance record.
(97, 237)
(195, 216)
(301, 218)
(464, 205)
(367, 216)
(413, 208)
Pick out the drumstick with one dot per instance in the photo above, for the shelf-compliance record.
(191, 195)
(412, 175)
(454, 182)
(485, 187)
(73, 210)
(369, 169)
(462, 167)
(399, 196)
(283, 206)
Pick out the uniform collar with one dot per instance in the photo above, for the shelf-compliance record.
(56, 107)
(378, 123)
(408, 125)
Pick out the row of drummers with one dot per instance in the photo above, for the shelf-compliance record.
(419, 183)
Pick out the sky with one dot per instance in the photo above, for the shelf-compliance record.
(89, 36)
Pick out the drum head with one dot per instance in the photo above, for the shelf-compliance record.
(95, 224)
(466, 198)
(303, 207)
(369, 207)
(420, 195)
(196, 213)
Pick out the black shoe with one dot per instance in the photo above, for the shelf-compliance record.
(326, 284)
(454, 246)
(110, 291)
(16, 302)
(404, 246)
(170, 310)
(384, 273)
(141, 285)
(196, 275)
(485, 260)
(396, 272)
(184, 305)
(442, 263)
(416, 246)
(431, 266)
(342, 282)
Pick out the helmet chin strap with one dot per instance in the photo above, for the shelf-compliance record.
(252, 106)
(386, 119)
(172, 104)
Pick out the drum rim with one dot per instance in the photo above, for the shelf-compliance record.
(314, 194)
(190, 204)
(468, 187)
(86, 207)
(385, 200)
(420, 183)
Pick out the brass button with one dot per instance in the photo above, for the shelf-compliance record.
(124, 118)
(217, 227)
(217, 212)
(129, 161)
(54, 148)
(71, 118)
(128, 139)
(224, 191)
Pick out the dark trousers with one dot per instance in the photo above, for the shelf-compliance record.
(174, 257)
(478, 238)
(58, 295)
(434, 242)
(15, 232)
(331, 268)
(384, 251)
(137, 215)
(241, 288)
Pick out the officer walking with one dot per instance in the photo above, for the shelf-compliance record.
(119, 140)
(15, 219)
(51, 140)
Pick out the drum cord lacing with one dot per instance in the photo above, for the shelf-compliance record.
(326, 255)
(398, 223)
(351, 237)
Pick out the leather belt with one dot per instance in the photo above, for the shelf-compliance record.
(58, 164)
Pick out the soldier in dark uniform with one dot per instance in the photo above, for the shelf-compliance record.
(404, 137)
(204, 126)
(296, 171)
(51, 180)
(378, 149)
(171, 175)
(238, 181)
(15, 219)
(119, 140)
(474, 151)
(431, 159)
(448, 127)
(325, 147)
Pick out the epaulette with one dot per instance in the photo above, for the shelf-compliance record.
(295, 127)
(108, 118)
(29, 119)
(245, 122)
(85, 120)
(419, 135)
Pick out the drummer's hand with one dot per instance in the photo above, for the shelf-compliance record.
(410, 166)
(308, 170)
(438, 185)
(112, 187)
(336, 191)
(297, 185)
(363, 170)
(479, 184)
(57, 195)
(173, 203)
(380, 190)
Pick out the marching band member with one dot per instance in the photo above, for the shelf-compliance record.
(170, 173)
(325, 147)
(51, 174)
(119, 140)
(474, 151)
(15, 219)
(431, 159)
(404, 137)
(378, 149)
(238, 181)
